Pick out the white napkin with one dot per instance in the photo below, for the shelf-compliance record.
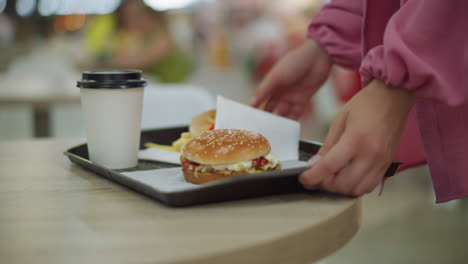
(282, 133)
(159, 155)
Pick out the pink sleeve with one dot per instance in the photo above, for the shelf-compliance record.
(425, 49)
(337, 28)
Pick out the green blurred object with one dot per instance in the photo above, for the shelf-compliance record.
(173, 68)
(99, 36)
(103, 42)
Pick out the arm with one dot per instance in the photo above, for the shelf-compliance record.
(424, 50)
(337, 28)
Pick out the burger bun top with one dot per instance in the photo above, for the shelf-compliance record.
(225, 146)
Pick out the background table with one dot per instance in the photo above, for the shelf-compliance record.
(42, 78)
(54, 212)
(41, 105)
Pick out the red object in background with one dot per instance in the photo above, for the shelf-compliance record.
(212, 127)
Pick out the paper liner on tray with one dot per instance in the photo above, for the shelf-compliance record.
(282, 133)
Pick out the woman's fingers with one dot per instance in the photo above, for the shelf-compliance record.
(364, 169)
(337, 158)
(271, 103)
(348, 178)
(282, 109)
(296, 111)
(321, 170)
(266, 89)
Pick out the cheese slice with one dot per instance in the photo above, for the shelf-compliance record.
(245, 165)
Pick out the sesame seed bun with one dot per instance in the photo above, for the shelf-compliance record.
(225, 146)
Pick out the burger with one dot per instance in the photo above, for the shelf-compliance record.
(223, 153)
(202, 122)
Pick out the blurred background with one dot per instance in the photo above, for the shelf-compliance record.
(219, 46)
(191, 51)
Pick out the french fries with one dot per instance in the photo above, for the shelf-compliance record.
(200, 123)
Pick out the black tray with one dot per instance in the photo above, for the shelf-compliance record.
(268, 183)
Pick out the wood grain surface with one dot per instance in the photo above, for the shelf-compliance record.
(52, 211)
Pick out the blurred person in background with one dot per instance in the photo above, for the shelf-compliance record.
(7, 31)
(272, 34)
(137, 37)
(7, 38)
(411, 56)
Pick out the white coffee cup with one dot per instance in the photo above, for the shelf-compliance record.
(112, 103)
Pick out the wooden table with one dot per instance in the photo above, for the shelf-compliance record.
(52, 211)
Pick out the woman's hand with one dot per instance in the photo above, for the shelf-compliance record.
(361, 141)
(288, 87)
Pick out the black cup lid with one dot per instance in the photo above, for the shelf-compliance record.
(111, 79)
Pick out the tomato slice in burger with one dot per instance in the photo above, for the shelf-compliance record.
(259, 162)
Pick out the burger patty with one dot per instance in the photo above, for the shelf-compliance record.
(257, 165)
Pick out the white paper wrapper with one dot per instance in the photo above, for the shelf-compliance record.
(282, 133)
(160, 155)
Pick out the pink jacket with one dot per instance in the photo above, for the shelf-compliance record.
(419, 45)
